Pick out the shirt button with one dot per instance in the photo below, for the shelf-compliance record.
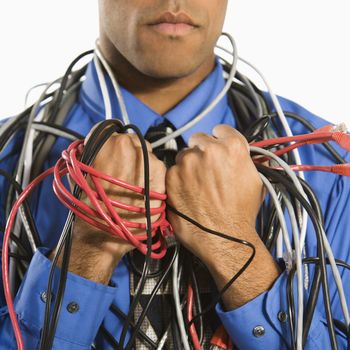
(73, 307)
(43, 297)
(258, 331)
(282, 316)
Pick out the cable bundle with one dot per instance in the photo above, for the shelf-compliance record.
(289, 193)
(69, 164)
(97, 216)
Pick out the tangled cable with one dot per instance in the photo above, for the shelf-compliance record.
(101, 212)
(107, 220)
(111, 220)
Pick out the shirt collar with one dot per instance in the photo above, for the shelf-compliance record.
(144, 117)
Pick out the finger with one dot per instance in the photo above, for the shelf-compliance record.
(187, 155)
(200, 140)
(224, 131)
(137, 143)
(180, 155)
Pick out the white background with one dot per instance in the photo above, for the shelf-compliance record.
(302, 47)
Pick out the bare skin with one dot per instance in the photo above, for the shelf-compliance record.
(161, 70)
(215, 182)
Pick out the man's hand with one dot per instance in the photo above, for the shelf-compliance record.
(95, 254)
(216, 183)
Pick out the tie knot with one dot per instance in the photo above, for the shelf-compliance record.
(166, 152)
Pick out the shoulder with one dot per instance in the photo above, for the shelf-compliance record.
(292, 107)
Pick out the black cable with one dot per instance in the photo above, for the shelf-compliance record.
(198, 302)
(142, 335)
(100, 135)
(88, 156)
(58, 99)
(149, 234)
(150, 300)
(175, 334)
(18, 256)
(136, 270)
(284, 181)
(290, 289)
(255, 130)
(316, 283)
(111, 340)
(21, 247)
(224, 236)
(25, 205)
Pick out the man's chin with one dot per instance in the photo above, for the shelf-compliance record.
(168, 66)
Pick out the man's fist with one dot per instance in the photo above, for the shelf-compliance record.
(216, 183)
(95, 253)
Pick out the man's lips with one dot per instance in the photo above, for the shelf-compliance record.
(173, 24)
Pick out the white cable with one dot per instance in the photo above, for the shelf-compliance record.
(163, 339)
(211, 106)
(179, 315)
(104, 90)
(299, 270)
(26, 99)
(50, 129)
(328, 249)
(287, 129)
(115, 84)
(279, 245)
(24, 165)
(289, 133)
(279, 212)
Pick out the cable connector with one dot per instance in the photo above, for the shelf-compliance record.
(220, 339)
(289, 260)
(341, 127)
(342, 140)
(341, 169)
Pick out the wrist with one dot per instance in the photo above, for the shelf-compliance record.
(95, 262)
(258, 277)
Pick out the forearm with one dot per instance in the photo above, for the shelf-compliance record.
(94, 254)
(256, 279)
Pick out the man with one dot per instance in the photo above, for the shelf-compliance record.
(162, 54)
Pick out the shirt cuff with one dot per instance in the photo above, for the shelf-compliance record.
(263, 322)
(85, 303)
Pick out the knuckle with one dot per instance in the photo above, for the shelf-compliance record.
(171, 175)
(212, 150)
(237, 143)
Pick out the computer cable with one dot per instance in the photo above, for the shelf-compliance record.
(273, 174)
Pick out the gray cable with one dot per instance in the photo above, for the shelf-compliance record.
(55, 131)
(327, 246)
(299, 269)
(179, 315)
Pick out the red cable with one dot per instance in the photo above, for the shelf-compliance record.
(111, 221)
(316, 137)
(5, 256)
(193, 331)
(340, 169)
(108, 221)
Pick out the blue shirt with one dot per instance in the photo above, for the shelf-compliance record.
(79, 330)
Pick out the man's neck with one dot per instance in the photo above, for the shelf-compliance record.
(161, 95)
